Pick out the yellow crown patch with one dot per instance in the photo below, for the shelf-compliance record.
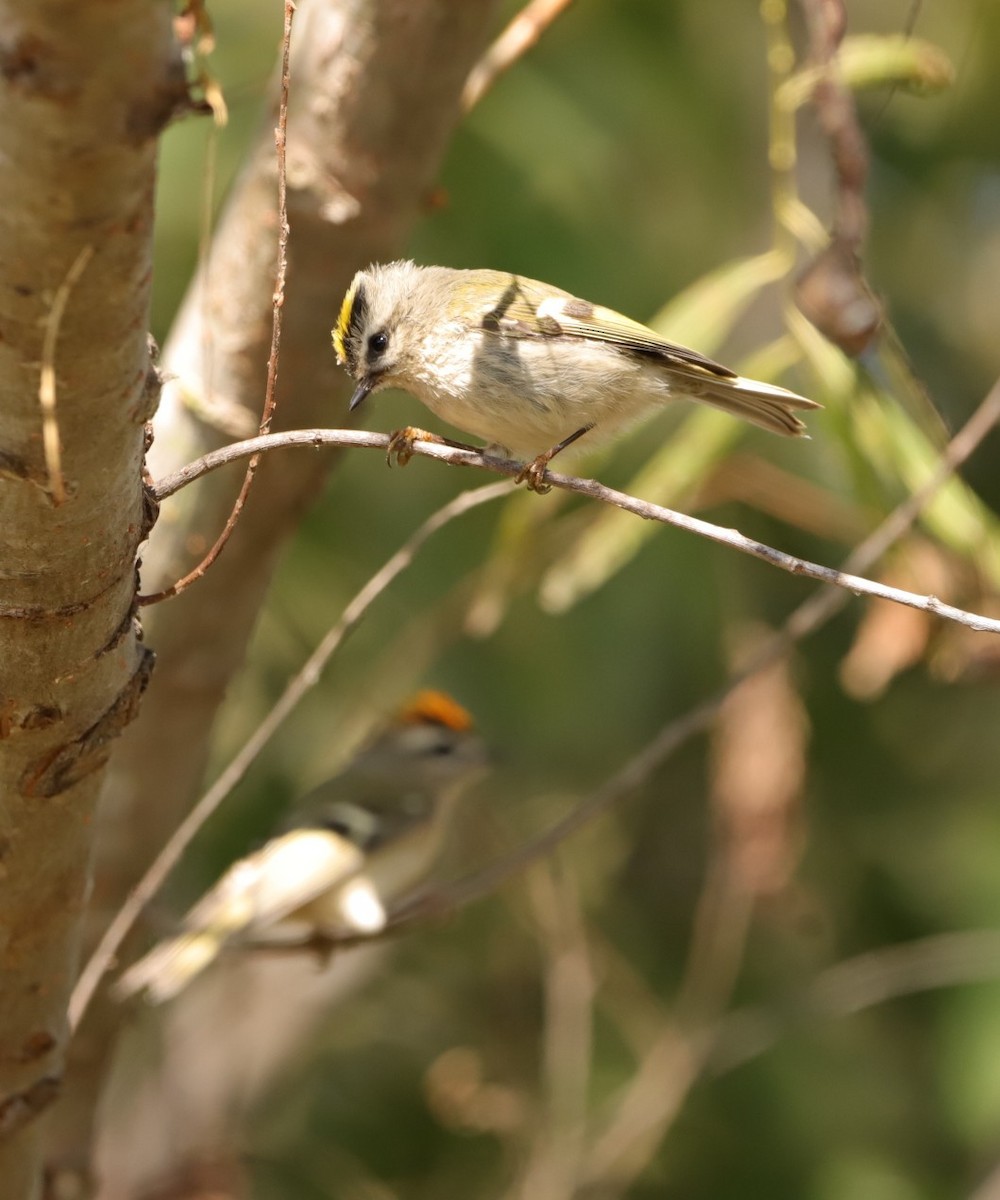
(344, 324)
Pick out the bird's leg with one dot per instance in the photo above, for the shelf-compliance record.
(534, 473)
(401, 441)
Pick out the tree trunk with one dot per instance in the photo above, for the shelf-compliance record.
(85, 90)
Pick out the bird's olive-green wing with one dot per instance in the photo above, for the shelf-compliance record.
(530, 309)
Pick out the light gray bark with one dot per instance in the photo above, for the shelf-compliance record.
(85, 90)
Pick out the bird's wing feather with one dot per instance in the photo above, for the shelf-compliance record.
(286, 873)
(255, 893)
(529, 309)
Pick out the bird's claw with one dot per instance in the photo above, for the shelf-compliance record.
(400, 447)
(532, 475)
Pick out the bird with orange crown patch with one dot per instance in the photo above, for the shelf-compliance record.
(352, 846)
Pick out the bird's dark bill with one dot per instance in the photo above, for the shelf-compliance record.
(360, 393)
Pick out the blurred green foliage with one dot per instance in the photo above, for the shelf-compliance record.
(625, 159)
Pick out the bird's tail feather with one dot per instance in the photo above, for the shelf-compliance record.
(767, 405)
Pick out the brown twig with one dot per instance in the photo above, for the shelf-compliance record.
(307, 677)
(278, 302)
(516, 40)
(842, 578)
(848, 987)
(559, 1137)
(826, 21)
(833, 291)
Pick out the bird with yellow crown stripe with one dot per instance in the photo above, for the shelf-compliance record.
(526, 366)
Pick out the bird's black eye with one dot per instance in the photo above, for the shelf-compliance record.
(441, 749)
(377, 344)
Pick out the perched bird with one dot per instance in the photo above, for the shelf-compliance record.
(354, 844)
(527, 366)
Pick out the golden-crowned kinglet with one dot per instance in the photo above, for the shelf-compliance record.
(358, 841)
(527, 366)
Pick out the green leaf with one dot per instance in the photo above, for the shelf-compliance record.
(871, 60)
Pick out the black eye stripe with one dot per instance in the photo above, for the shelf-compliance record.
(355, 324)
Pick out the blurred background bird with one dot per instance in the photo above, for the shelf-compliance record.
(351, 846)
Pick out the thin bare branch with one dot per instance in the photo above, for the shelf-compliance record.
(842, 578)
(826, 21)
(559, 1142)
(848, 987)
(516, 40)
(649, 1105)
(307, 677)
(833, 291)
(640, 1114)
(277, 307)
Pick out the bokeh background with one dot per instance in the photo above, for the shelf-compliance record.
(848, 802)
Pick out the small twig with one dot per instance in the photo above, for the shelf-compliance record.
(833, 291)
(558, 1144)
(848, 987)
(909, 25)
(748, 801)
(203, 281)
(277, 308)
(827, 24)
(307, 677)
(606, 495)
(851, 986)
(640, 1114)
(47, 382)
(646, 1109)
(516, 40)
